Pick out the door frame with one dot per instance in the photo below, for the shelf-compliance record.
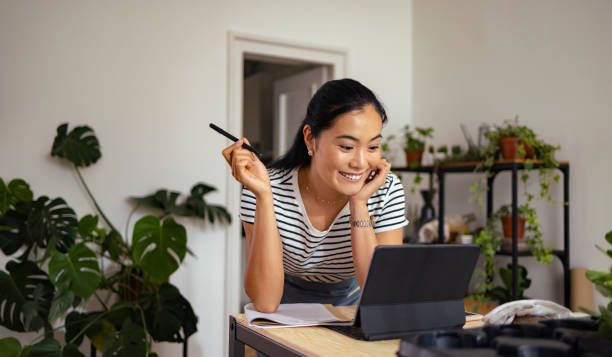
(241, 45)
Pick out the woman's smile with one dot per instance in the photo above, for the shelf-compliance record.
(351, 177)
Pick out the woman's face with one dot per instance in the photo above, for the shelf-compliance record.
(345, 154)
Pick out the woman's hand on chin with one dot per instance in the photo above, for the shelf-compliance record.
(371, 186)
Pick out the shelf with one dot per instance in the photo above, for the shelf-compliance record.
(503, 165)
(559, 253)
(499, 165)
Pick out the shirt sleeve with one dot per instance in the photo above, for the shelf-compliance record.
(393, 213)
(247, 206)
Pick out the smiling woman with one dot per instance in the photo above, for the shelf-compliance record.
(313, 217)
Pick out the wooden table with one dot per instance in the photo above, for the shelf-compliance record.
(307, 341)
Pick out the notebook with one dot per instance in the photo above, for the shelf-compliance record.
(412, 288)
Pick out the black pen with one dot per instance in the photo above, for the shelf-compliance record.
(232, 137)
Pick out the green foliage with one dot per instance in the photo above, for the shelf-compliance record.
(504, 294)
(25, 297)
(603, 284)
(152, 246)
(194, 205)
(415, 138)
(60, 265)
(77, 272)
(489, 238)
(80, 146)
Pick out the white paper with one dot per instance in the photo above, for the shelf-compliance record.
(294, 315)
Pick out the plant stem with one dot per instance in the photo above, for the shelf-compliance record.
(144, 325)
(94, 200)
(101, 302)
(127, 225)
(95, 320)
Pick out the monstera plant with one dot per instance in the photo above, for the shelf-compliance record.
(58, 263)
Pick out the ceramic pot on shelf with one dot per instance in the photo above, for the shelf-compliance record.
(506, 245)
(413, 158)
(509, 148)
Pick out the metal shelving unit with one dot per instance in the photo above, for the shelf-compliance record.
(513, 166)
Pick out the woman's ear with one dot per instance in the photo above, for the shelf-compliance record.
(308, 138)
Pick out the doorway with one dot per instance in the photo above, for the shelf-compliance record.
(282, 62)
(275, 96)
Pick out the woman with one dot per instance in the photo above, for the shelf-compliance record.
(313, 218)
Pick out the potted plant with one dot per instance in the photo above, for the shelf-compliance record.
(60, 262)
(505, 216)
(415, 144)
(504, 294)
(513, 140)
(603, 284)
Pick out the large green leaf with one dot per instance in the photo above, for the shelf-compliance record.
(196, 203)
(158, 249)
(165, 201)
(13, 231)
(16, 191)
(167, 312)
(53, 221)
(71, 351)
(10, 347)
(87, 225)
(114, 245)
(80, 146)
(60, 304)
(48, 347)
(104, 338)
(77, 271)
(131, 341)
(25, 297)
(76, 322)
(44, 223)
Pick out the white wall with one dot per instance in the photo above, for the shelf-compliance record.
(149, 76)
(548, 61)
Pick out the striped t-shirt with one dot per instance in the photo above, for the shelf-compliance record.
(322, 256)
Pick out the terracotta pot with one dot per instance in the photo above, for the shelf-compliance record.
(414, 157)
(528, 150)
(507, 240)
(509, 148)
(507, 225)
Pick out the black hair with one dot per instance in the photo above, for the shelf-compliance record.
(333, 99)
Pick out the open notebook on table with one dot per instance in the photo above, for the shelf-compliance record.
(408, 288)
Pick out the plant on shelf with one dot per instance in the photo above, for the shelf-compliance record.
(603, 284)
(489, 238)
(414, 144)
(525, 145)
(59, 263)
(504, 294)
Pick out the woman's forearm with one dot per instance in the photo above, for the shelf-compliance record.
(264, 275)
(363, 241)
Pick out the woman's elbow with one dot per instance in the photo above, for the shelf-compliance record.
(263, 302)
(266, 307)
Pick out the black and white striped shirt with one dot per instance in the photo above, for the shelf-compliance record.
(322, 256)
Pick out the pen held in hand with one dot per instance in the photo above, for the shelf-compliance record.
(234, 139)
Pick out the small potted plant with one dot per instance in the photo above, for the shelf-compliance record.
(513, 140)
(505, 215)
(415, 144)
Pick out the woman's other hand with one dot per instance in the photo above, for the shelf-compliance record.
(371, 186)
(246, 168)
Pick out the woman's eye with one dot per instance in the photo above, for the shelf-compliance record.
(374, 148)
(344, 147)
